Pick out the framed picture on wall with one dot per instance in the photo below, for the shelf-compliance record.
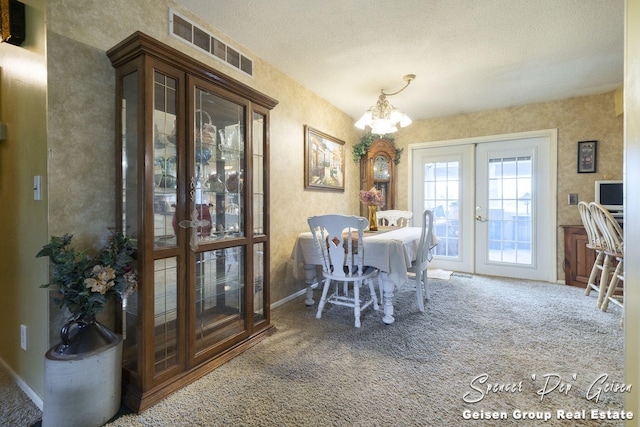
(12, 22)
(587, 156)
(324, 161)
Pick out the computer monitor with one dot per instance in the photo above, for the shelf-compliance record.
(610, 194)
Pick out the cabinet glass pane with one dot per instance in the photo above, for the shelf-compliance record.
(129, 117)
(165, 158)
(129, 152)
(130, 334)
(219, 166)
(258, 282)
(165, 309)
(219, 304)
(259, 171)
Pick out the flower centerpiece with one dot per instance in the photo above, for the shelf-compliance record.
(85, 284)
(372, 198)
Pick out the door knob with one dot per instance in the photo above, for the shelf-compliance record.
(478, 216)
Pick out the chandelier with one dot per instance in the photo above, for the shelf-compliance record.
(383, 117)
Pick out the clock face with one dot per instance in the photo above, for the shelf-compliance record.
(381, 169)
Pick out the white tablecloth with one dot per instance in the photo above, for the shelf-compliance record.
(391, 252)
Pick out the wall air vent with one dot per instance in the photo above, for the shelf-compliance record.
(190, 33)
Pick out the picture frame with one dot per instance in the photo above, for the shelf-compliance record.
(12, 22)
(587, 156)
(323, 161)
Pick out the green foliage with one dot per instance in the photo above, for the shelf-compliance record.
(84, 284)
(361, 148)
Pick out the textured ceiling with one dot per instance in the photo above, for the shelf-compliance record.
(468, 55)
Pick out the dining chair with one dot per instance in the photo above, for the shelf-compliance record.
(339, 240)
(394, 218)
(423, 257)
(597, 243)
(613, 236)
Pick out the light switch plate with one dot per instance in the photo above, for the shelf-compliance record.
(23, 337)
(37, 187)
(573, 198)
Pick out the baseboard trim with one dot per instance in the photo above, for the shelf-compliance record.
(278, 303)
(23, 386)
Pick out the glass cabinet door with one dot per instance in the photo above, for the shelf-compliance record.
(129, 207)
(166, 152)
(259, 212)
(217, 202)
(165, 160)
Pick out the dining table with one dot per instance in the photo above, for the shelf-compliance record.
(391, 250)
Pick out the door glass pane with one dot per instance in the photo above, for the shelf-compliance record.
(219, 305)
(219, 165)
(441, 195)
(165, 313)
(259, 172)
(258, 282)
(510, 226)
(165, 160)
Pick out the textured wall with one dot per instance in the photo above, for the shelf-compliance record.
(23, 221)
(577, 119)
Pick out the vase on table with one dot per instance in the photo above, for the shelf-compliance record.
(83, 375)
(373, 219)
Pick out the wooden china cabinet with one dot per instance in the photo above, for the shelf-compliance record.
(377, 170)
(192, 191)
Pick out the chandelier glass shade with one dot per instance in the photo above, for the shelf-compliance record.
(384, 118)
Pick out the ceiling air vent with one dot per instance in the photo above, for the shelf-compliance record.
(190, 33)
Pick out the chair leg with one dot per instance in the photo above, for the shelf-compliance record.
(613, 285)
(373, 294)
(356, 302)
(594, 273)
(345, 299)
(425, 282)
(420, 289)
(604, 279)
(323, 299)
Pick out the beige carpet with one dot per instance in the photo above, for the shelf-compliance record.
(16, 409)
(417, 371)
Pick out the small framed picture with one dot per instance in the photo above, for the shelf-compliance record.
(587, 156)
(324, 161)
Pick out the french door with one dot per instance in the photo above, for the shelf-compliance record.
(494, 203)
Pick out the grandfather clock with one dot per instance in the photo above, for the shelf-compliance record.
(377, 170)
